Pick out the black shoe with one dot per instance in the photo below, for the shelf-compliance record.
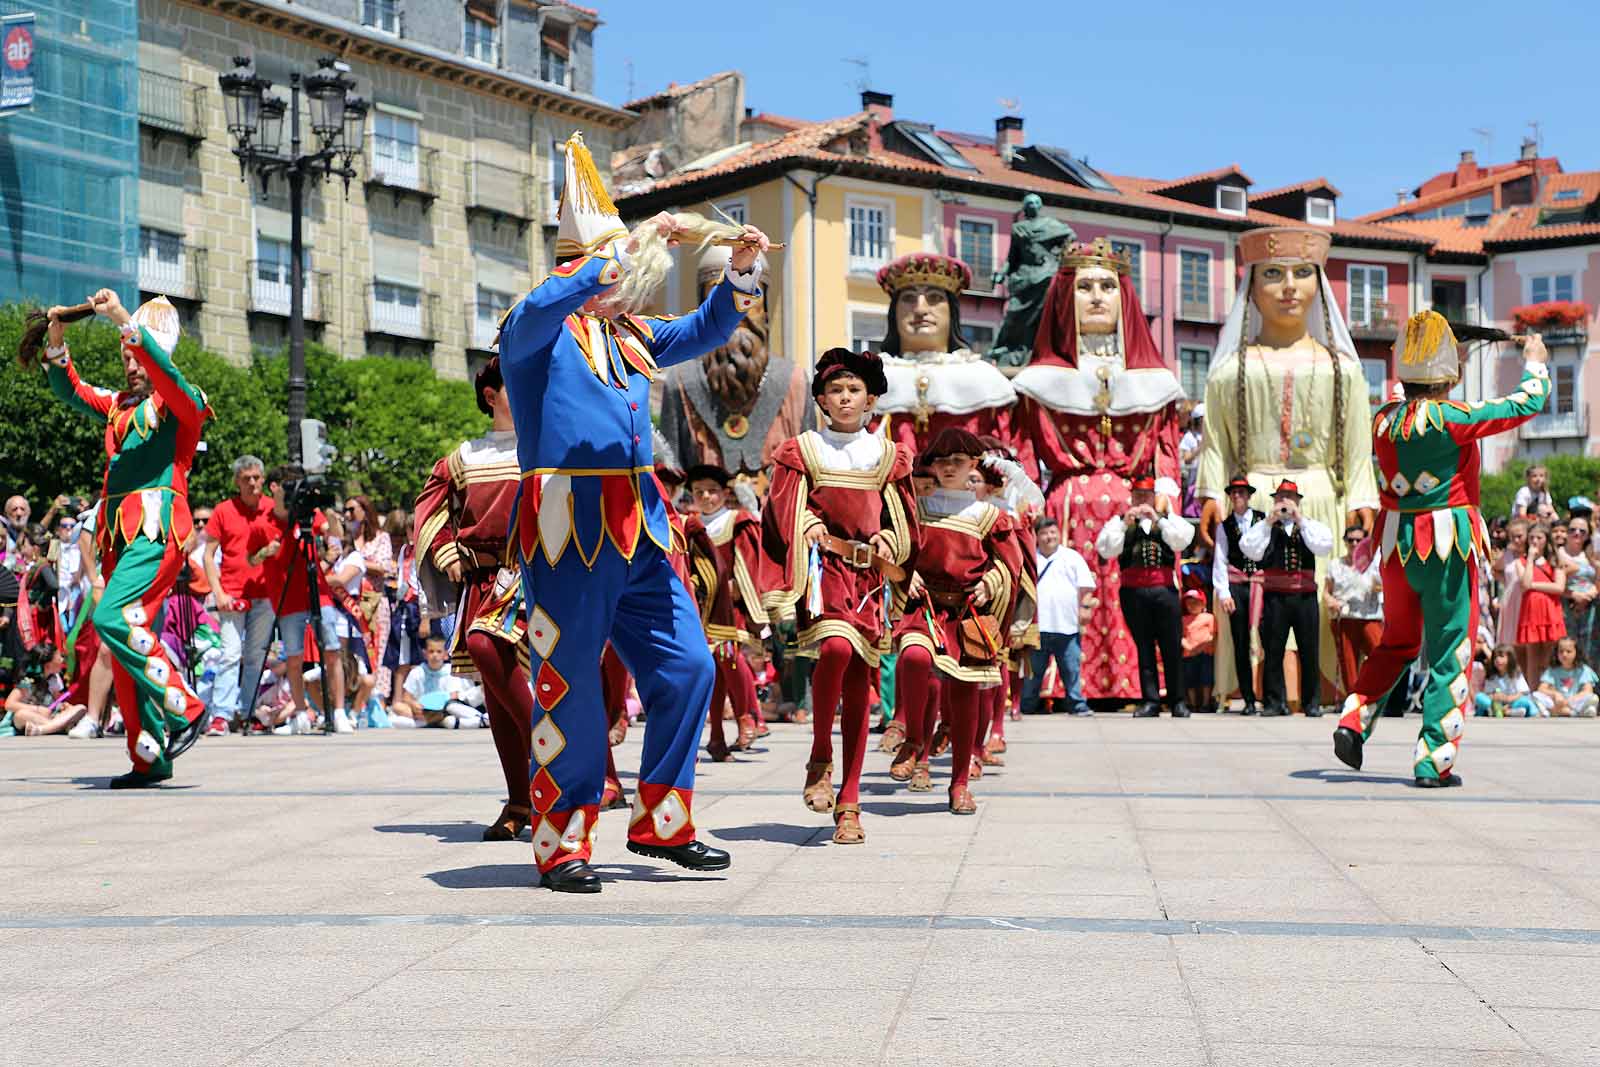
(184, 739)
(696, 855)
(1347, 745)
(574, 876)
(1148, 710)
(1180, 710)
(1274, 710)
(1438, 783)
(1313, 711)
(1250, 708)
(142, 779)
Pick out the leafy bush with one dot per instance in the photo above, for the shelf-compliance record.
(390, 419)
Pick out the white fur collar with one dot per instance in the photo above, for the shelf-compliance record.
(1075, 391)
(957, 383)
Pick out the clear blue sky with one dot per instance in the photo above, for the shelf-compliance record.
(1376, 96)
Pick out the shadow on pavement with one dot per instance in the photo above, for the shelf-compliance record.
(1322, 774)
(488, 876)
(775, 832)
(633, 872)
(903, 808)
(450, 833)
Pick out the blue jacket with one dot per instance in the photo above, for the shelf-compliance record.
(579, 389)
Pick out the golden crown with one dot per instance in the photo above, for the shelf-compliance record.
(925, 268)
(1097, 253)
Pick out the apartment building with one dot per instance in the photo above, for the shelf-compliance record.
(451, 215)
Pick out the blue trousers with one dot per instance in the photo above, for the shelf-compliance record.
(642, 608)
(1067, 651)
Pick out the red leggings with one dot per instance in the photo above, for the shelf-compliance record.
(510, 704)
(923, 693)
(736, 682)
(841, 677)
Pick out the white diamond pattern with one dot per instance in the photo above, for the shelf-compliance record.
(1400, 485)
(547, 740)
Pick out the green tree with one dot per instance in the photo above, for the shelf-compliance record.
(1570, 476)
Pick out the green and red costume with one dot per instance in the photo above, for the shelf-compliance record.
(143, 526)
(1433, 542)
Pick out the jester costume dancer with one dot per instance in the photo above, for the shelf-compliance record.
(840, 532)
(591, 532)
(463, 519)
(1432, 541)
(1099, 408)
(143, 524)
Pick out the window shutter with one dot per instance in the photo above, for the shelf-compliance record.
(501, 277)
(272, 223)
(396, 260)
(486, 10)
(161, 206)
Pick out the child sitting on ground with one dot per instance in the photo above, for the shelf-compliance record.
(433, 696)
(1567, 686)
(1199, 642)
(30, 705)
(1504, 690)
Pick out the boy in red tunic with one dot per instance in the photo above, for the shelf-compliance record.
(839, 531)
(737, 620)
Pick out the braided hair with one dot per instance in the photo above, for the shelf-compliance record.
(1338, 391)
(1243, 416)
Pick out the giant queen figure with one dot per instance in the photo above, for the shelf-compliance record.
(1099, 408)
(1286, 398)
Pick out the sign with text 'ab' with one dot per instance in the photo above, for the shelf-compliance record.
(16, 61)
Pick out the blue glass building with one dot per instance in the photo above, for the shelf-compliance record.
(69, 165)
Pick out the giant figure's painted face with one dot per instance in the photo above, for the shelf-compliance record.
(1283, 292)
(1098, 298)
(922, 313)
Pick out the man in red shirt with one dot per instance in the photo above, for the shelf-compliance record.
(276, 546)
(242, 603)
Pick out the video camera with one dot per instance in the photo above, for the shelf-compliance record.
(305, 496)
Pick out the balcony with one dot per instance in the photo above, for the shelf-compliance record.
(1556, 424)
(404, 169)
(181, 277)
(1197, 311)
(270, 290)
(483, 325)
(400, 311)
(1379, 324)
(500, 194)
(1564, 335)
(172, 107)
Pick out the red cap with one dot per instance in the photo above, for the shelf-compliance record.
(1143, 483)
(1287, 488)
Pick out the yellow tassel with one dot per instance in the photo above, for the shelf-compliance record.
(591, 191)
(1425, 331)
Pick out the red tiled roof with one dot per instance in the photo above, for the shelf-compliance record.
(1424, 203)
(675, 90)
(1232, 169)
(780, 122)
(1298, 187)
(1448, 235)
(1521, 225)
(591, 12)
(1587, 182)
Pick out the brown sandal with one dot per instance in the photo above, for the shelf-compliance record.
(619, 732)
(847, 825)
(818, 793)
(612, 797)
(992, 758)
(921, 779)
(747, 733)
(941, 741)
(509, 826)
(974, 768)
(905, 763)
(961, 802)
(894, 735)
(997, 745)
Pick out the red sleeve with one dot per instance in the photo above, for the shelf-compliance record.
(783, 525)
(436, 525)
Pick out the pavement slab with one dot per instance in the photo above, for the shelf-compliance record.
(1216, 892)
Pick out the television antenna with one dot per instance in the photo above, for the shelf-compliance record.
(863, 67)
(1486, 135)
(1010, 105)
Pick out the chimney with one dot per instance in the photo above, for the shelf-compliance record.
(1468, 156)
(1007, 136)
(1468, 170)
(1530, 149)
(879, 105)
(1401, 196)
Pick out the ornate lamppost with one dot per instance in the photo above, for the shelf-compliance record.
(255, 122)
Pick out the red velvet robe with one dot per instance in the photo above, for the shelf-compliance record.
(741, 618)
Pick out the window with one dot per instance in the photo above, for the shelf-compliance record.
(381, 15)
(1567, 194)
(1133, 252)
(396, 308)
(270, 285)
(1477, 207)
(976, 248)
(734, 209)
(1564, 391)
(979, 335)
(160, 261)
(869, 237)
(558, 178)
(1542, 287)
(1194, 284)
(479, 40)
(867, 330)
(1367, 304)
(1377, 374)
(938, 148)
(553, 52)
(1319, 210)
(394, 149)
(491, 305)
(1194, 364)
(1230, 199)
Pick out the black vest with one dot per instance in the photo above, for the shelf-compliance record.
(1236, 557)
(1288, 552)
(1140, 549)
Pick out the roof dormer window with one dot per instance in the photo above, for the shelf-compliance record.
(1319, 211)
(1230, 199)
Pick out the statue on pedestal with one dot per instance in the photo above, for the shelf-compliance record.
(734, 407)
(1036, 243)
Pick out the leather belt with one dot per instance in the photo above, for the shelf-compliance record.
(862, 556)
(948, 598)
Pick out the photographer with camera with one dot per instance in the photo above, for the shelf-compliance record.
(1287, 546)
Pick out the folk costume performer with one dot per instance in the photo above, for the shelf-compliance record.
(591, 533)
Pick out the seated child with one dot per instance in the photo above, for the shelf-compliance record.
(1199, 642)
(433, 696)
(1504, 690)
(31, 706)
(1567, 686)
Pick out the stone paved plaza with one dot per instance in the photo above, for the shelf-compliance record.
(1154, 893)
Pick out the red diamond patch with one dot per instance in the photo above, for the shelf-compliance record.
(549, 687)
(543, 791)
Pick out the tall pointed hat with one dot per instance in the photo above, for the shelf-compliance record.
(1425, 353)
(588, 218)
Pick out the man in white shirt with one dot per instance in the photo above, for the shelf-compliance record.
(1286, 546)
(1236, 582)
(1064, 578)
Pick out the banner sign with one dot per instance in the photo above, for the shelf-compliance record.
(16, 61)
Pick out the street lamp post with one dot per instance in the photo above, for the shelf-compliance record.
(255, 121)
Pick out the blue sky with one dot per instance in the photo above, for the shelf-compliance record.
(1376, 96)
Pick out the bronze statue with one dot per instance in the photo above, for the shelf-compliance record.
(1036, 242)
